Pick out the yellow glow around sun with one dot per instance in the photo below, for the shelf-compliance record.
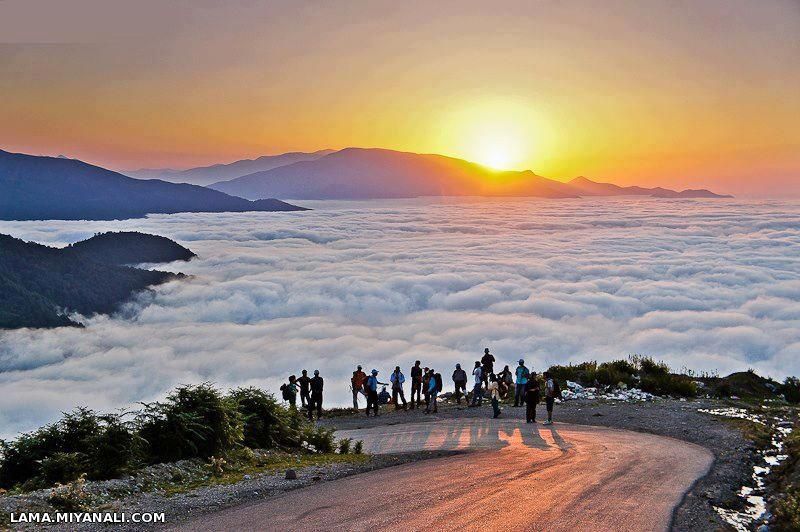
(503, 134)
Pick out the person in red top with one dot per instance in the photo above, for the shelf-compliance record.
(357, 385)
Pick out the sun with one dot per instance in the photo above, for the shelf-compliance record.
(495, 153)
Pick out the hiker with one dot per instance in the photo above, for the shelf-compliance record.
(434, 387)
(426, 379)
(504, 382)
(397, 379)
(289, 392)
(384, 398)
(522, 381)
(551, 391)
(487, 363)
(494, 393)
(304, 382)
(460, 380)
(477, 395)
(357, 385)
(315, 402)
(532, 398)
(371, 387)
(416, 384)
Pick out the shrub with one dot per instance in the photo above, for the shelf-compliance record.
(81, 442)
(668, 384)
(344, 445)
(791, 389)
(71, 497)
(319, 439)
(612, 373)
(583, 373)
(194, 421)
(267, 424)
(358, 447)
(648, 366)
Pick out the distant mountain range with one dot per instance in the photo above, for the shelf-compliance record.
(360, 173)
(42, 188)
(205, 175)
(40, 285)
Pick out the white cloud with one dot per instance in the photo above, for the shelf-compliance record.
(707, 285)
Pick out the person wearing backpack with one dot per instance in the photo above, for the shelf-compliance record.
(371, 386)
(551, 391)
(416, 385)
(289, 391)
(434, 386)
(522, 381)
(460, 381)
(477, 393)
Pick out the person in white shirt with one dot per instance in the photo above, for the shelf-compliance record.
(494, 393)
(477, 394)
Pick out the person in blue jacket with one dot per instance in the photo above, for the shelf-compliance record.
(372, 391)
(397, 379)
(522, 374)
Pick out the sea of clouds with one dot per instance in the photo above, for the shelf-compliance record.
(710, 285)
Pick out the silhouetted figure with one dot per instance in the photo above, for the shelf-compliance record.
(357, 384)
(487, 363)
(426, 379)
(532, 398)
(434, 387)
(305, 382)
(397, 379)
(384, 398)
(477, 393)
(416, 384)
(494, 394)
(505, 381)
(550, 393)
(316, 384)
(460, 381)
(290, 392)
(371, 386)
(522, 380)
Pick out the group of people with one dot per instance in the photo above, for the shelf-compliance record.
(426, 385)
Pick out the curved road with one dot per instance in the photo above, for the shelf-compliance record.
(524, 477)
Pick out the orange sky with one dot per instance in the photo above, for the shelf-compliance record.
(676, 92)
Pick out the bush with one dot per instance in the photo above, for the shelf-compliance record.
(668, 384)
(194, 422)
(612, 373)
(791, 390)
(648, 366)
(319, 439)
(72, 497)
(344, 445)
(267, 424)
(358, 448)
(583, 373)
(81, 442)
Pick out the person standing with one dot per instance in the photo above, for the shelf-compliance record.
(416, 384)
(433, 391)
(550, 393)
(460, 380)
(315, 384)
(304, 381)
(504, 382)
(357, 384)
(291, 391)
(522, 381)
(371, 386)
(487, 363)
(397, 379)
(426, 379)
(477, 394)
(532, 398)
(494, 393)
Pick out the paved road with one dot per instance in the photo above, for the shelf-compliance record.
(522, 477)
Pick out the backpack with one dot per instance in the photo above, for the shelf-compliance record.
(285, 392)
(556, 389)
(438, 378)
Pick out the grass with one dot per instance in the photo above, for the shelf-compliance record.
(236, 469)
(758, 433)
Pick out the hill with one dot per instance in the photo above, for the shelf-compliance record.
(587, 187)
(39, 285)
(130, 248)
(365, 173)
(205, 175)
(41, 188)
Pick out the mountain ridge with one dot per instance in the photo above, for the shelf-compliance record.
(38, 188)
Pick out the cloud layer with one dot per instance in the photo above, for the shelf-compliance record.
(707, 285)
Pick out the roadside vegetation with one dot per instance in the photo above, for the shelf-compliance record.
(243, 430)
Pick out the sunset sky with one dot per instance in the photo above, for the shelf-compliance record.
(681, 93)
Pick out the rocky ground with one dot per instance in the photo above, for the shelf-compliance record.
(735, 455)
